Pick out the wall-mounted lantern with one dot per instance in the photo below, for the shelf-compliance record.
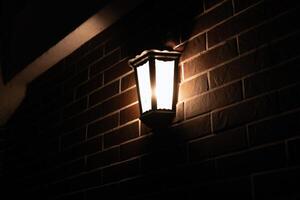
(156, 74)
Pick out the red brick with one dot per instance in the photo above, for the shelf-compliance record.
(243, 4)
(58, 188)
(130, 113)
(50, 119)
(211, 58)
(116, 71)
(249, 162)
(179, 113)
(192, 129)
(268, 32)
(294, 151)
(115, 41)
(276, 78)
(237, 68)
(76, 80)
(75, 122)
(121, 135)
(208, 20)
(237, 24)
(291, 50)
(164, 158)
(67, 97)
(104, 191)
(69, 169)
(136, 148)
(69, 154)
(214, 99)
(124, 170)
(236, 188)
(193, 47)
(193, 87)
(280, 183)
(94, 113)
(289, 98)
(105, 62)
(86, 180)
(111, 105)
(89, 86)
(210, 3)
(225, 142)
(93, 145)
(186, 174)
(76, 196)
(145, 129)
(51, 93)
(91, 57)
(119, 101)
(103, 125)
(104, 93)
(245, 112)
(103, 158)
(275, 129)
(73, 137)
(139, 185)
(75, 108)
(128, 81)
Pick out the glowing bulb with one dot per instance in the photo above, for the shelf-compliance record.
(143, 74)
(164, 71)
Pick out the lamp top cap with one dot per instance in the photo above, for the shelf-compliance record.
(155, 53)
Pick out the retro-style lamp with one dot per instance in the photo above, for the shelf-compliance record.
(156, 74)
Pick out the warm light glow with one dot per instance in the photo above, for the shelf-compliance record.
(164, 71)
(143, 74)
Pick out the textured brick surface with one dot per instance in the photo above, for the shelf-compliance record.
(129, 114)
(211, 58)
(208, 4)
(194, 46)
(276, 78)
(121, 135)
(281, 185)
(237, 24)
(77, 134)
(103, 125)
(117, 70)
(209, 19)
(237, 68)
(268, 32)
(103, 158)
(274, 129)
(105, 62)
(89, 86)
(245, 112)
(194, 128)
(214, 99)
(121, 171)
(193, 87)
(75, 108)
(128, 81)
(294, 151)
(73, 137)
(229, 141)
(104, 93)
(270, 157)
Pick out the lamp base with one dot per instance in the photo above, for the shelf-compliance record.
(158, 118)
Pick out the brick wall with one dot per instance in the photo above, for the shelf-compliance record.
(236, 134)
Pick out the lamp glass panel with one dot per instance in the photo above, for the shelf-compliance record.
(143, 74)
(164, 71)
